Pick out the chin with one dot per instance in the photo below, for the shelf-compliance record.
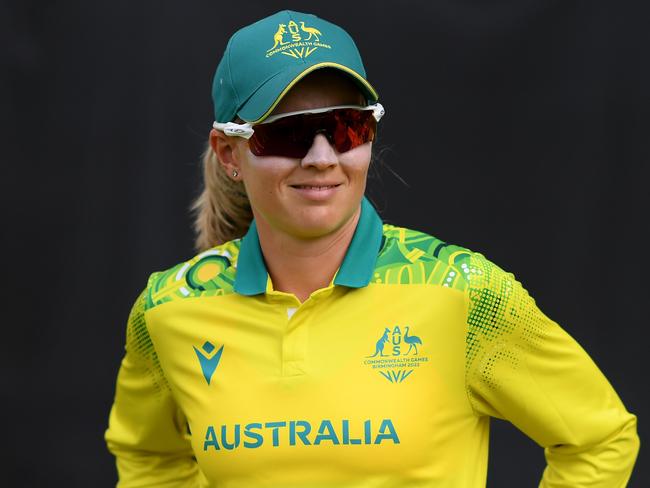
(317, 222)
(313, 229)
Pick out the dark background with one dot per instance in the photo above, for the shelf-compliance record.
(520, 129)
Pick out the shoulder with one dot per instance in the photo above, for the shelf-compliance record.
(499, 307)
(410, 256)
(413, 257)
(209, 273)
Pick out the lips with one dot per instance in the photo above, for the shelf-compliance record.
(315, 187)
(316, 191)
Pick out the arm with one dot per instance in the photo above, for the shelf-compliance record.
(147, 431)
(522, 367)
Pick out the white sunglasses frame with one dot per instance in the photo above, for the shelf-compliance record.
(246, 130)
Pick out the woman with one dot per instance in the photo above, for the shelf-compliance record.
(314, 346)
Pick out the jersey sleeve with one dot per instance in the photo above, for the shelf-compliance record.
(524, 368)
(147, 432)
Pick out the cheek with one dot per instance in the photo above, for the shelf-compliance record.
(262, 175)
(356, 161)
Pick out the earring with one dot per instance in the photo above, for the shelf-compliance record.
(235, 174)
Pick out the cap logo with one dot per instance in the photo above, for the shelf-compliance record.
(297, 42)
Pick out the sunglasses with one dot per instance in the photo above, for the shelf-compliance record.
(292, 134)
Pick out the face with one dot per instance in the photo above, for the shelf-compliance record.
(318, 194)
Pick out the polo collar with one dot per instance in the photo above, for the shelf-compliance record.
(355, 271)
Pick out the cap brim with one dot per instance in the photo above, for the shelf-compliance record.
(266, 97)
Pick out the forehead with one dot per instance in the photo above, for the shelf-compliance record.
(322, 88)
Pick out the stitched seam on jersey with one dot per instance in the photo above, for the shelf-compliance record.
(192, 297)
(468, 371)
(479, 305)
(198, 295)
(426, 285)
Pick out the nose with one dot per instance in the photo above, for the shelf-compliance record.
(321, 154)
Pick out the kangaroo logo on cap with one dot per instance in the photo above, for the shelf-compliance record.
(294, 41)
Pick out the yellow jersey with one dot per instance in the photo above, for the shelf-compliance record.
(385, 378)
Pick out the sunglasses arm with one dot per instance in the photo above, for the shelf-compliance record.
(246, 130)
(232, 129)
(377, 111)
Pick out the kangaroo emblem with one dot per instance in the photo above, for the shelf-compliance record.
(277, 37)
(313, 32)
(379, 347)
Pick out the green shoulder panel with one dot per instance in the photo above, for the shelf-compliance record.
(210, 273)
(413, 257)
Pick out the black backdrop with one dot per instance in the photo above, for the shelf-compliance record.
(520, 129)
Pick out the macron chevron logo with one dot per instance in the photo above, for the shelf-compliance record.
(208, 361)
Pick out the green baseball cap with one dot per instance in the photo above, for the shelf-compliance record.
(262, 61)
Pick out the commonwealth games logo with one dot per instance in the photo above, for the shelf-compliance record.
(396, 354)
(296, 41)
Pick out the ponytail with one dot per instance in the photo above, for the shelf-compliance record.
(222, 211)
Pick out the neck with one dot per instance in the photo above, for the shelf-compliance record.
(302, 266)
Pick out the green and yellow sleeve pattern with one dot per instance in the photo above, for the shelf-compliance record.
(147, 431)
(521, 366)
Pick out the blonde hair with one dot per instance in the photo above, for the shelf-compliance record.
(222, 211)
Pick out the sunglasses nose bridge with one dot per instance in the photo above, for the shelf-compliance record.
(321, 153)
(327, 133)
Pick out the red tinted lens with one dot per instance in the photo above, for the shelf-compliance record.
(352, 128)
(287, 137)
(292, 136)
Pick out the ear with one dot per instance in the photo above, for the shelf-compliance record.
(226, 149)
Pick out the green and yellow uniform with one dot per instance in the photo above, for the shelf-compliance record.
(386, 378)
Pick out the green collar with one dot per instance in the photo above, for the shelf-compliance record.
(356, 269)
